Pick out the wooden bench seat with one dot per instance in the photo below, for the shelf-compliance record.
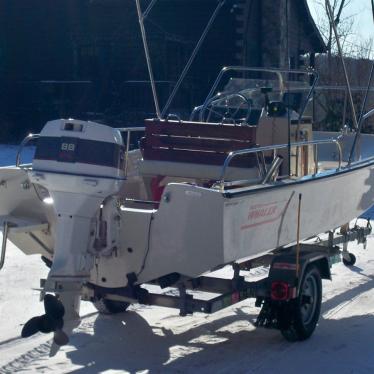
(198, 143)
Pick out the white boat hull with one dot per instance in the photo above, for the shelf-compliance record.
(196, 229)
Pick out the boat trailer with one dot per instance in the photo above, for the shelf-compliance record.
(282, 294)
(289, 296)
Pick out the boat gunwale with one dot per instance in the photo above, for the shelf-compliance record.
(306, 179)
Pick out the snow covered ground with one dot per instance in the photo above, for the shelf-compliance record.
(157, 340)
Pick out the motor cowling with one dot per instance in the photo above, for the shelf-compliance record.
(81, 164)
(76, 147)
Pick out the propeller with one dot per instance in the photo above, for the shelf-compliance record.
(51, 321)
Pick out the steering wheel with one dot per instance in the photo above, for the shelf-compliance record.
(231, 112)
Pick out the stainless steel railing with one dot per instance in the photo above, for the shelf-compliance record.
(277, 72)
(28, 138)
(368, 114)
(274, 148)
(128, 131)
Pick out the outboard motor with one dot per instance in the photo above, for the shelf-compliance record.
(80, 164)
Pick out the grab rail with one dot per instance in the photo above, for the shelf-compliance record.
(273, 148)
(22, 145)
(277, 72)
(368, 114)
(128, 131)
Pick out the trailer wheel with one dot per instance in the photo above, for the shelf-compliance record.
(305, 310)
(350, 261)
(106, 306)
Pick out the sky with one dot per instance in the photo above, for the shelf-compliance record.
(361, 9)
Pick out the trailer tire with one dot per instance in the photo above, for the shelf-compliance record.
(351, 261)
(305, 310)
(106, 306)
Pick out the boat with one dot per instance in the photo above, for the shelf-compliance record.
(245, 178)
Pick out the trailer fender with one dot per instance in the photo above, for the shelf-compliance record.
(283, 270)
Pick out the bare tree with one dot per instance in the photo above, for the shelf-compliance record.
(344, 23)
(357, 52)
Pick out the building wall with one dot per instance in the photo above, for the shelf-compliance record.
(84, 58)
(281, 32)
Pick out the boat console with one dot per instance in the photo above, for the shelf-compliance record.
(247, 114)
(196, 151)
